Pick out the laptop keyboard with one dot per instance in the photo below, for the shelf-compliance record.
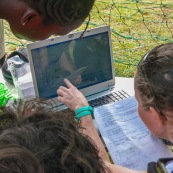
(110, 98)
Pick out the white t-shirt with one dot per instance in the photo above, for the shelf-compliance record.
(2, 44)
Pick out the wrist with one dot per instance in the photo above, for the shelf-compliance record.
(84, 111)
(80, 106)
(86, 119)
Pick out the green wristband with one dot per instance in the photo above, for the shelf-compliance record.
(83, 111)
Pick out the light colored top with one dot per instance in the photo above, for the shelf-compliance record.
(2, 44)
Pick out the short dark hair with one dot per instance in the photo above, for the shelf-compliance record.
(63, 12)
(154, 78)
(53, 138)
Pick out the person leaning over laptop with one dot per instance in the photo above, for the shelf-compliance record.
(154, 93)
(37, 20)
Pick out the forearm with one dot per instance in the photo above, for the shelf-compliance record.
(91, 131)
(119, 169)
(75, 100)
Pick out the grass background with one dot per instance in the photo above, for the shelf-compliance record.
(137, 26)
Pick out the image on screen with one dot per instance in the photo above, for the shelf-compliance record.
(84, 62)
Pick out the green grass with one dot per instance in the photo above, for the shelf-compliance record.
(137, 27)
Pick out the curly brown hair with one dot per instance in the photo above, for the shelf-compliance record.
(17, 159)
(52, 137)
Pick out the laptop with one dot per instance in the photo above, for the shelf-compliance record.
(86, 61)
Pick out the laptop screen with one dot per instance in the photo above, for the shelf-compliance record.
(84, 61)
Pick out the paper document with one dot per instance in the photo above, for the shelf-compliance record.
(129, 142)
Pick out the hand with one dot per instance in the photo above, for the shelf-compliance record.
(71, 96)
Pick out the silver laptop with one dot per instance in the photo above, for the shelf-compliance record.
(86, 61)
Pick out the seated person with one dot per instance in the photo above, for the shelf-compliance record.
(153, 90)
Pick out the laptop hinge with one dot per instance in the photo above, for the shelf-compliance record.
(110, 84)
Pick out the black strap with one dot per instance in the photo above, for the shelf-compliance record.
(21, 52)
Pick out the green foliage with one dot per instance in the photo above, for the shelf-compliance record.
(5, 95)
(137, 26)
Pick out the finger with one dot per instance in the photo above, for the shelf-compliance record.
(64, 101)
(61, 92)
(65, 93)
(60, 99)
(68, 83)
(63, 88)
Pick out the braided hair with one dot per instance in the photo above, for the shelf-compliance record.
(63, 12)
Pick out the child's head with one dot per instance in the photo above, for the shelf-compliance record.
(63, 12)
(17, 159)
(52, 139)
(154, 89)
(39, 19)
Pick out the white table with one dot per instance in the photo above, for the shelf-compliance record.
(126, 84)
(122, 83)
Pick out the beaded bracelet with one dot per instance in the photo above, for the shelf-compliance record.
(83, 111)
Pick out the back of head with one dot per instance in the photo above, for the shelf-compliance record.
(63, 12)
(154, 78)
(54, 139)
(16, 159)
